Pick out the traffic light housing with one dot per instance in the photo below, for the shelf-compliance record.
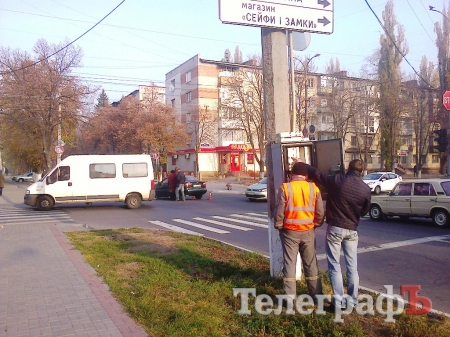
(441, 139)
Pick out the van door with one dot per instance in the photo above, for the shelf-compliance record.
(58, 184)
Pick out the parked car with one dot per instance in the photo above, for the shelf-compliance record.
(192, 187)
(23, 177)
(381, 181)
(428, 198)
(257, 191)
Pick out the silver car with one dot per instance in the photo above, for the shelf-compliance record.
(23, 177)
(257, 191)
(427, 198)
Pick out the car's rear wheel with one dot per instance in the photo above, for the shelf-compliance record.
(198, 196)
(133, 201)
(44, 203)
(376, 213)
(377, 190)
(440, 218)
(20, 180)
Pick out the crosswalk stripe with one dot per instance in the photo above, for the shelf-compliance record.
(175, 228)
(218, 223)
(23, 217)
(240, 221)
(206, 228)
(19, 222)
(249, 217)
(263, 214)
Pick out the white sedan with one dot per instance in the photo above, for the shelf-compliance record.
(381, 181)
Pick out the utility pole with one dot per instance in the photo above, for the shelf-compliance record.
(433, 9)
(276, 115)
(305, 69)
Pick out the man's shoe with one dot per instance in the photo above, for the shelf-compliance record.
(332, 308)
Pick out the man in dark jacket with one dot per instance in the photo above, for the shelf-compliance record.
(348, 200)
(179, 191)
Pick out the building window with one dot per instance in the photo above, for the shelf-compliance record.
(354, 141)
(188, 76)
(369, 160)
(189, 96)
(355, 156)
(323, 102)
(310, 83)
(369, 141)
(435, 159)
(188, 117)
(173, 103)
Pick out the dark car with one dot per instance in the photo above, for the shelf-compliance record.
(192, 187)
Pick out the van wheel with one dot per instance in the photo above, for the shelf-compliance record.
(133, 201)
(198, 197)
(44, 203)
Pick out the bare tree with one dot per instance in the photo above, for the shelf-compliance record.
(202, 129)
(243, 109)
(38, 95)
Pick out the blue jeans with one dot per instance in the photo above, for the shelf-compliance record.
(180, 190)
(347, 239)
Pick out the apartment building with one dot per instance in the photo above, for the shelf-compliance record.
(338, 106)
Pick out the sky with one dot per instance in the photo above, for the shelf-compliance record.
(142, 40)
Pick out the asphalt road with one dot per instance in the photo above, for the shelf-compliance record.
(394, 253)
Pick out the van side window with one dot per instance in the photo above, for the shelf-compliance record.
(102, 171)
(134, 170)
(64, 173)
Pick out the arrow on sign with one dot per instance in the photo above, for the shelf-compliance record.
(325, 21)
(325, 3)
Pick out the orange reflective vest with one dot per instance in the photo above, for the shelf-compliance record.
(299, 210)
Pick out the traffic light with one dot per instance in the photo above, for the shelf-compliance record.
(441, 139)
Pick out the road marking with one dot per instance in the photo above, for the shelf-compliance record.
(15, 216)
(249, 217)
(206, 228)
(174, 228)
(391, 245)
(263, 214)
(218, 223)
(240, 221)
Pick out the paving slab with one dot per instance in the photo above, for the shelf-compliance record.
(46, 286)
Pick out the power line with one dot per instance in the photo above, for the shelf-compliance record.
(395, 45)
(69, 44)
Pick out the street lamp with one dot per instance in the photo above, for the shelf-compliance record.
(305, 67)
(433, 9)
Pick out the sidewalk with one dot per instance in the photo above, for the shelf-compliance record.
(46, 286)
(219, 185)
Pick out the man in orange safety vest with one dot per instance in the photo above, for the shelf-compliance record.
(299, 210)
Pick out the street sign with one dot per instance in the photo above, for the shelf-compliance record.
(446, 100)
(306, 16)
(59, 149)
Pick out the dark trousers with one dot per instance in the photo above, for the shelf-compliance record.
(1, 190)
(303, 242)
